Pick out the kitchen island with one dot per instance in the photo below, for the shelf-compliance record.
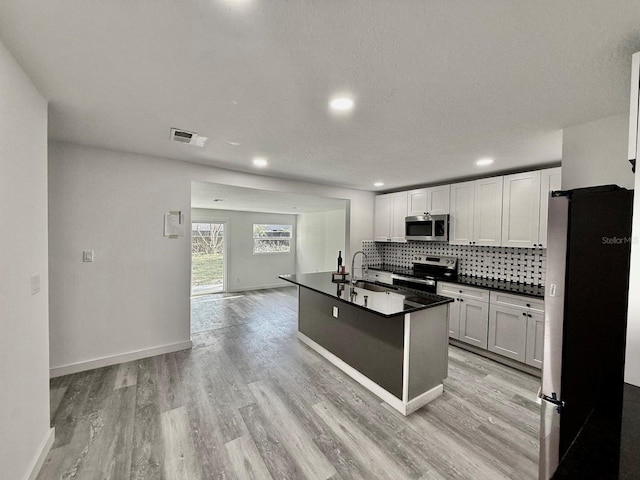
(393, 341)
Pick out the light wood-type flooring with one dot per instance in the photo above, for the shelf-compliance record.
(249, 401)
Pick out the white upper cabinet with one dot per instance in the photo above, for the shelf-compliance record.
(391, 209)
(398, 214)
(433, 200)
(521, 209)
(487, 217)
(550, 180)
(461, 222)
(382, 220)
(476, 212)
(416, 202)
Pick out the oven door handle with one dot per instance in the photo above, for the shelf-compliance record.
(414, 280)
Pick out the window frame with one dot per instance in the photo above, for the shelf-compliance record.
(290, 238)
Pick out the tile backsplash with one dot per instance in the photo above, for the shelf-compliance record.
(523, 265)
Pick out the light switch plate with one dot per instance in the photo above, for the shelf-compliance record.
(87, 256)
(335, 312)
(35, 283)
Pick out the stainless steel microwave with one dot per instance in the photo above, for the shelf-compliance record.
(427, 228)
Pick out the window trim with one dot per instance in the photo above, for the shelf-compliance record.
(290, 238)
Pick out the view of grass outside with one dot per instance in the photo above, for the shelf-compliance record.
(207, 259)
(206, 269)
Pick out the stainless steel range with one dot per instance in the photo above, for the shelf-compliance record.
(426, 271)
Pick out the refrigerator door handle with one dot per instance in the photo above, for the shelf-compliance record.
(554, 400)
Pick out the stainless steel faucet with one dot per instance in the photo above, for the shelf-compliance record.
(364, 265)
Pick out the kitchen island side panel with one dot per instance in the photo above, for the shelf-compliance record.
(428, 349)
(371, 344)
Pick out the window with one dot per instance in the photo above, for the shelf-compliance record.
(269, 238)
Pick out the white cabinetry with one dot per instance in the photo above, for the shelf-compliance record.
(535, 339)
(432, 200)
(550, 180)
(468, 314)
(476, 212)
(516, 325)
(521, 209)
(461, 222)
(391, 209)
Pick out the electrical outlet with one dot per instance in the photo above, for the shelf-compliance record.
(87, 256)
(335, 312)
(35, 283)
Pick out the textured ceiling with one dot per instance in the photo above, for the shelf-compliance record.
(437, 83)
(204, 195)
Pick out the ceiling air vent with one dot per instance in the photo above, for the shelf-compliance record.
(190, 138)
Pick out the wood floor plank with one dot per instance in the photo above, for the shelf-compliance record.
(127, 375)
(376, 461)
(247, 462)
(147, 456)
(55, 397)
(70, 409)
(112, 439)
(251, 401)
(297, 440)
(180, 459)
(275, 456)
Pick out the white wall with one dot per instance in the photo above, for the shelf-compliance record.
(595, 153)
(135, 296)
(24, 328)
(320, 236)
(245, 270)
(632, 362)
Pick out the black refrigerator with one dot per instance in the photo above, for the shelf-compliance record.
(586, 294)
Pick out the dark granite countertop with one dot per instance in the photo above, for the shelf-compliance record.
(525, 289)
(384, 301)
(536, 291)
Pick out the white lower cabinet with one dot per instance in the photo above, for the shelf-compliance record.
(503, 323)
(535, 339)
(468, 314)
(508, 332)
(516, 327)
(474, 316)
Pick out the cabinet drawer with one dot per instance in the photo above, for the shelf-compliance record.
(462, 291)
(518, 301)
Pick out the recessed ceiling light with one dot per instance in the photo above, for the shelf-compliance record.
(260, 162)
(378, 184)
(341, 104)
(484, 162)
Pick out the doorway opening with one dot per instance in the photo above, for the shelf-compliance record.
(207, 258)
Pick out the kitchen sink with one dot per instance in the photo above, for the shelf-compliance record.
(373, 287)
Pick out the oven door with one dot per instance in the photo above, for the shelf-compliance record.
(414, 283)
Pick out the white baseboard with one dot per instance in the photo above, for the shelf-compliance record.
(259, 287)
(116, 359)
(373, 387)
(41, 454)
(424, 398)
